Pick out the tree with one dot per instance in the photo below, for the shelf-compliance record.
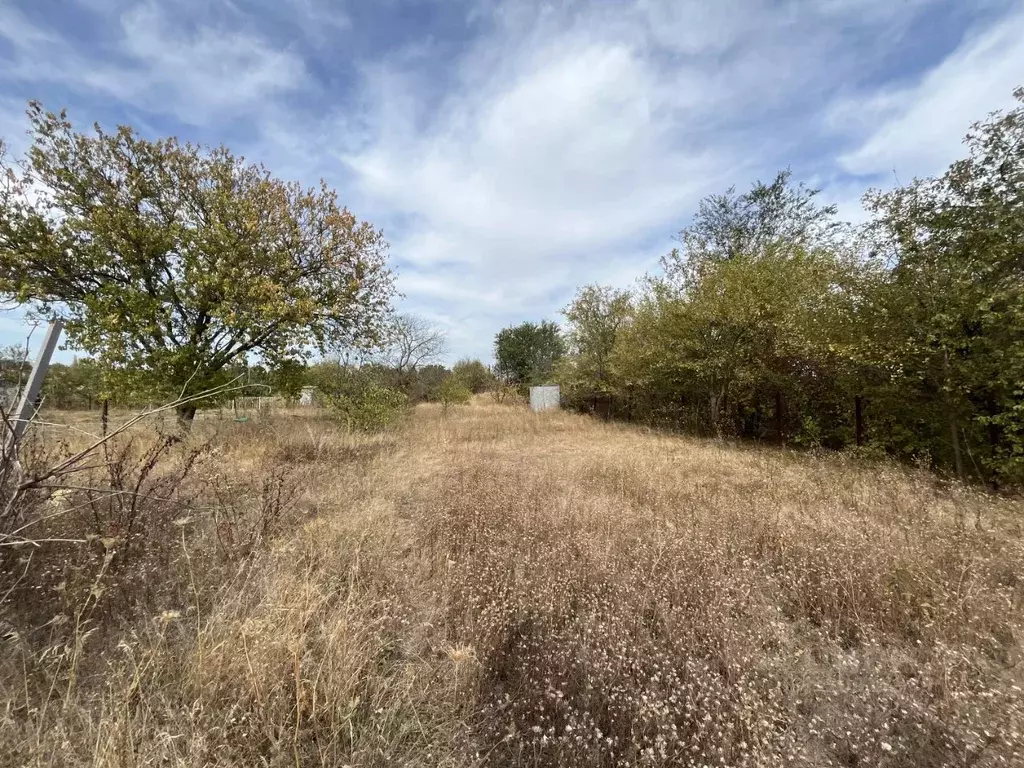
(595, 316)
(949, 313)
(751, 335)
(14, 366)
(288, 378)
(525, 354)
(413, 342)
(474, 375)
(737, 327)
(79, 385)
(170, 261)
(729, 224)
(427, 382)
(452, 392)
(361, 396)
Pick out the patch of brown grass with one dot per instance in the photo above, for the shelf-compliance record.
(493, 587)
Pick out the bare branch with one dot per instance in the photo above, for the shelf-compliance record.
(413, 342)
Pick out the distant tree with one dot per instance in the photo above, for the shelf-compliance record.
(413, 342)
(427, 382)
(452, 392)
(525, 354)
(476, 376)
(171, 261)
(361, 396)
(288, 378)
(78, 385)
(14, 366)
(325, 375)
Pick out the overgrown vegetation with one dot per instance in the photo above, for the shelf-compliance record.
(774, 321)
(548, 590)
(453, 392)
(360, 397)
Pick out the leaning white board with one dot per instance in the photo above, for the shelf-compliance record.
(544, 398)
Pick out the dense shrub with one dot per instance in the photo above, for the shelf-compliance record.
(369, 407)
(773, 321)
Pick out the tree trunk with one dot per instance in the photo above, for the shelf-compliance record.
(713, 407)
(186, 413)
(718, 404)
(954, 433)
(105, 415)
(858, 419)
(778, 416)
(995, 436)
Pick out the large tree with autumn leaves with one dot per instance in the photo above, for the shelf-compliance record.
(169, 261)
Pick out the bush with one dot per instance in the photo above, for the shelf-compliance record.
(370, 408)
(473, 374)
(367, 399)
(452, 392)
(508, 394)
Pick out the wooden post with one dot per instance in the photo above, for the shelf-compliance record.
(27, 407)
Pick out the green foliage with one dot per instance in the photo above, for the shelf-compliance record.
(418, 385)
(371, 408)
(288, 378)
(474, 375)
(594, 318)
(729, 225)
(426, 383)
(14, 369)
(773, 321)
(79, 385)
(453, 392)
(527, 353)
(947, 319)
(171, 261)
(357, 396)
(752, 333)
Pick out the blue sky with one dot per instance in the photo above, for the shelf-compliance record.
(514, 151)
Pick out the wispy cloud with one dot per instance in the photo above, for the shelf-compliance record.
(917, 129)
(158, 62)
(572, 141)
(514, 151)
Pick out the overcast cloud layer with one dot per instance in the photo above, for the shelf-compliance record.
(515, 151)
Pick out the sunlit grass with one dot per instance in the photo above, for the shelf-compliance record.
(491, 586)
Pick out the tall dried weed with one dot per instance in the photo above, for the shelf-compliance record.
(502, 588)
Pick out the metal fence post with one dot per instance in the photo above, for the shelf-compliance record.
(26, 408)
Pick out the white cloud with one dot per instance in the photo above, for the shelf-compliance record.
(563, 145)
(206, 72)
(13, 127)
(918, 130)
(162, 66)
(574, 140)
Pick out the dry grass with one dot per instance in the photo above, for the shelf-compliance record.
(492, 587)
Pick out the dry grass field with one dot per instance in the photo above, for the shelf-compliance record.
(494, 587)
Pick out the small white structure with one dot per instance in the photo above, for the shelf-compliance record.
(544, 398)
(306, 396)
